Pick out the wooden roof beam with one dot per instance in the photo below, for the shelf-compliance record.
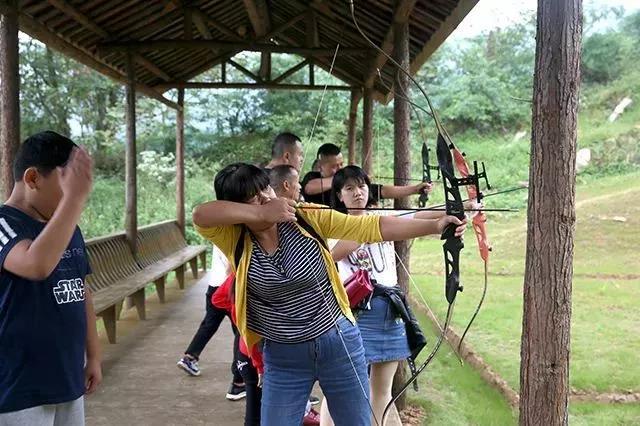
(264, 85)
(201, 19)
(259, 16)
(229, 54)
(88, 23)
(401, 15)
(173, 44)
(261, 23)
(244, 71)
(38, 31)
(80, 17)
(291, 71)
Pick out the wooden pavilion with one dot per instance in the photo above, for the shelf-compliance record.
(160, 45)
(156, 45)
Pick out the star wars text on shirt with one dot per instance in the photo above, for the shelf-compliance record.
(67, 291)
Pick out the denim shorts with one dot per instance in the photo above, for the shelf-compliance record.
(383, 333)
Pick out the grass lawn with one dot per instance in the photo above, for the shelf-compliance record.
(605, 332)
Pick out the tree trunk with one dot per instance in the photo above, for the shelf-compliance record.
(9, 96)
(180, 214)
(402, 167)
(367, 131)
(131, 219)
(352, 125)
(544, 370)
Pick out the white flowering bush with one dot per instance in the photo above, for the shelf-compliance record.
(157, 168)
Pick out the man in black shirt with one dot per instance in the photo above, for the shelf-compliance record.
(316, 185)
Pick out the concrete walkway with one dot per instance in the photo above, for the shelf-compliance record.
(143, 386)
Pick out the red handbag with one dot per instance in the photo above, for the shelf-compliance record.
(358, 287)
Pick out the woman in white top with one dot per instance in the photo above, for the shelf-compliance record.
(383, 331)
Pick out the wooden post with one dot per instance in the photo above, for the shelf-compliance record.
(131, 220)
(352, 124)
(180, 215)
(544, 367)
(401, 164)
(9, 95)
(367, 131)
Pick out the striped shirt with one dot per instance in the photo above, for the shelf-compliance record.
(290, 299)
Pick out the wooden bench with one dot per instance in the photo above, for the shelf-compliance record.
(118, 276)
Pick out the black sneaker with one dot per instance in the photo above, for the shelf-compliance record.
(314, 400)
(236, 392)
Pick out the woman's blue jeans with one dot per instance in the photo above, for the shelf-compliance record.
(290, 371)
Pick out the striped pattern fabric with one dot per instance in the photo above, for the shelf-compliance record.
(6, 233)
(290, 299)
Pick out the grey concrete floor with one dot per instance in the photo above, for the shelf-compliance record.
(143, 386)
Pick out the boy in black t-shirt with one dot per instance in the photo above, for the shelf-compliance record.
(316, 185)
(47, 321)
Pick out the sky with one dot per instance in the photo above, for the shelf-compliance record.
(489, 14)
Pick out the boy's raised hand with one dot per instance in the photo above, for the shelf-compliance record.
(76, 177)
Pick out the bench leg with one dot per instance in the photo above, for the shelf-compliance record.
(203, 260)
(138, 301)
(119, 308)
(109, 320)
(128, 303)
(194, 267)
(160, 287)
(180, 276)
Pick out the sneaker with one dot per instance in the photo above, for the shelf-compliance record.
(190, 365)
(314, 400)
(236, 392)
(311, 419)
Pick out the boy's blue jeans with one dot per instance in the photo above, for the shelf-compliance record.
(290, 370)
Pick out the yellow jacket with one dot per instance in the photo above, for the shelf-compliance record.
(327, 223)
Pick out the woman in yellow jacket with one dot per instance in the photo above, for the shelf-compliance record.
(288, 291)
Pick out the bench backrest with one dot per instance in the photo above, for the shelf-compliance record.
(156, 242)
(110, 259)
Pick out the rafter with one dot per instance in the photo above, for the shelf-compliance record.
(173, 44)
(264, 85)
(38, 31)
(261, 23)
(401, 15)
(291, 71)
(88, 23)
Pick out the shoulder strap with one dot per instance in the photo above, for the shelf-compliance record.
(305, 225)
(239, 247)
(237, 254)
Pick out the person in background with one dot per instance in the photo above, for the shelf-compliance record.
(49, 349)
(209, 326)
(286, 150)
(249, 364)
(316, 185)
(382, 326)
(284, 181)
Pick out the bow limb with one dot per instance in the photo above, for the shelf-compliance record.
(426, 167)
